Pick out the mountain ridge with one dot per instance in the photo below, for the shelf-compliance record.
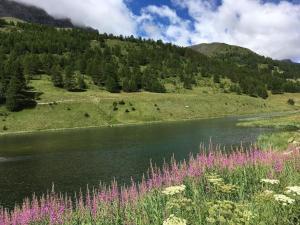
(32, 14)
(215, 48)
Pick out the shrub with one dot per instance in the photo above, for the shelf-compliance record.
(86, 115)
(127, 111)
(217, 78)
(133, 109)
(115, 104)
(122, 102)
(2, 23)
(291, 101)
(5, 128)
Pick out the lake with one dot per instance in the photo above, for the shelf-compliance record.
(71, 159)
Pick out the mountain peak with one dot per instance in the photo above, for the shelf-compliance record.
(28, 13)
(217, 48)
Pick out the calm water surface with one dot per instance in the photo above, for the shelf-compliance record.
(72, 159)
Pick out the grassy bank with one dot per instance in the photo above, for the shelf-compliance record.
(255, 187)
(58, 108)
(286, 132)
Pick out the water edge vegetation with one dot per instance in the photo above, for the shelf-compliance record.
(242, 187)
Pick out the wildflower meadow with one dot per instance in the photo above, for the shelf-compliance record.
(241, 187)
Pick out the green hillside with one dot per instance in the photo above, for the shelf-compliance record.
(244, 57)
(216, 49)
(63, 78)
(246, 67)
(58, 109)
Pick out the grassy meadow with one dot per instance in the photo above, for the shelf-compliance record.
(59, 109)
(286, 132)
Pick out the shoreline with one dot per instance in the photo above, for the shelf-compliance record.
(14, 133)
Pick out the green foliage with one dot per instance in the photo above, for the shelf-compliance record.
(217, 78)
(228, 212)
(129, 85)
(56, 76)
(70, 80)
(127, 64)
(249, 69)
(13, 90)
(94, 69)
(31, 65)
(81, 83)
(111, 74)
(193, 202)
(13, 95)
(2, 23)
(151, 83)
(187, 82)
(291, 101)
(112, 85)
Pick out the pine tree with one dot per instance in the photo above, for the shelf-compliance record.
(13, 95)
(217, 78)
(31, 65)
(111, 74)
(130, 79)
(70, 81)
(107, 53)
(187, 81)
(47, 61)
(129, 84)
(95, 71)
(13, 68)
(81, 64)
(56, 76)
(150, 81)
(81, 83)
(2, 22)
(112, 85)
(3, 82)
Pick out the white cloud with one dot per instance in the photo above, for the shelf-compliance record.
(267, 28)
(171, 29)
(111, 16)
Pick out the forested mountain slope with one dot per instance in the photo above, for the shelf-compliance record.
(273, 73)
(9, 8)
(116, 64)
(217, 49)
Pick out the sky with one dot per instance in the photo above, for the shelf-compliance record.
(268, 27)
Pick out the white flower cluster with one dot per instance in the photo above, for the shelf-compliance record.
(174, 190)
(284, 199)
(295, 190)
(173, 220)
(269, 181)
